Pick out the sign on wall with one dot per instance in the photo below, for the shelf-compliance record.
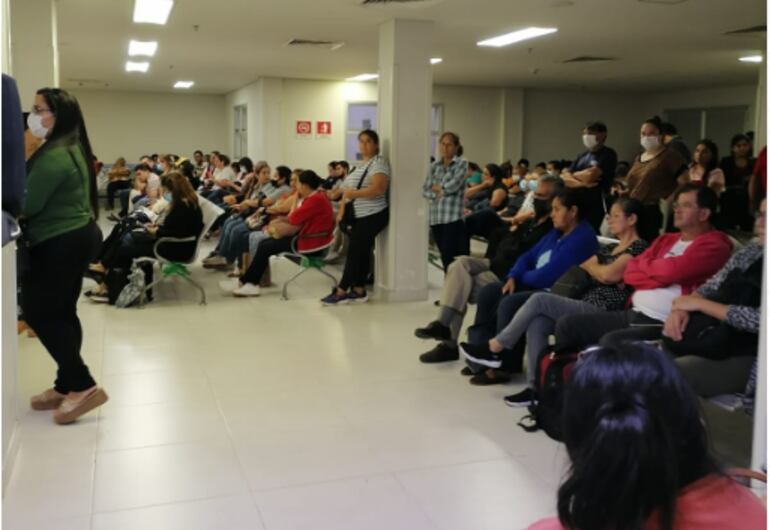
(323, 129)
(304, 129)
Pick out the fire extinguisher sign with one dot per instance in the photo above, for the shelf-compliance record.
(304, 128)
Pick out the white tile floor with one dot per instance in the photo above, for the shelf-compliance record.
(266, 414)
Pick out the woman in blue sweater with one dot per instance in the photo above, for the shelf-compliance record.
(571, 242)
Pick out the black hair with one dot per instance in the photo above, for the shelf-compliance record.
(705, 197)
(656, 122)
(496, 172)
(635, 207)
(550, 179)
(523, 162)
(455, 140)
(247, 164)
(568, 198)
(596, 126)
(633, 432)
(372, 135)
(556, 164)
(145, 156)
(473, 166)
(142, 167)
(344, 164)
(198, 152)
(310, 178)
(714, 162)
(333, 163)
(284, 173)
(224, 158)
(154, 156)
(740, 137)
(668, 129)
(507, 169)
(187, 169)
(540, 165)
(70, 129)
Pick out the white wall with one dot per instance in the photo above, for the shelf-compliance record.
(132, 124)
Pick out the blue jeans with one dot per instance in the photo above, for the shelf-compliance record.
(537, 318)
(234, 239)
(494, 311)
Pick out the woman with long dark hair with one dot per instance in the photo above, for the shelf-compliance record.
(62, 237)
(639, 453)
(704, 168)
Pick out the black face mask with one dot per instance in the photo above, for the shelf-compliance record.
(542, 208)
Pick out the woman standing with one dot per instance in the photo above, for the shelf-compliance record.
(653, 177)
(703, 169)
(366, 194)
(63, 239)
(444, 187)
(738, 168)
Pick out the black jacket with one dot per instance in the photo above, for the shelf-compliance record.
(505, 248)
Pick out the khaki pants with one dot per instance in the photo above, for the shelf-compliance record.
(465, 277)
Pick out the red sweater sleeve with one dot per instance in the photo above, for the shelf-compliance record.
(701, 260)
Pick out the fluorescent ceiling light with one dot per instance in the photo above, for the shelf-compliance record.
(363, 77)
(183, 84)
(132, 66)
(751, 59)
(148, 48)
(516, 36)
(152, 11)
(436, 60)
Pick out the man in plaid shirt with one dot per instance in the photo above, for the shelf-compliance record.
(444, 187)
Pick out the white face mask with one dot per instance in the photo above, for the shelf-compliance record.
(35, 124)
(589, 140)
(650, 142)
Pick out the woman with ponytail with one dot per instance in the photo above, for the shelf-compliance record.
(62, 238)
(639, 453)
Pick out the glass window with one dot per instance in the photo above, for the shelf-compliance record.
(240, 138)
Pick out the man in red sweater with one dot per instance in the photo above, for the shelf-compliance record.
(674, 265)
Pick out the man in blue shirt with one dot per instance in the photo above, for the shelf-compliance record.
(593, 172)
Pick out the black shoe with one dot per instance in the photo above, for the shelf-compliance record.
(434, 330)
(437, 303)
(490, 377)
(440, 354)
(525, 398)
(480, 354)
(467, 371)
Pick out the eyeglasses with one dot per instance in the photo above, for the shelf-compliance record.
(40, 110)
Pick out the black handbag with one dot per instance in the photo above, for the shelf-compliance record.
(349, 215)
(573, 284)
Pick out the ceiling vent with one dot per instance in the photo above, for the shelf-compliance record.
(664, 2)
(88, 82)
(589, 59)
(310, 43)
(744, 31)
(399, 3)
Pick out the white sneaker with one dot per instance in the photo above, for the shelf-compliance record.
(247, 289)
(229, 285)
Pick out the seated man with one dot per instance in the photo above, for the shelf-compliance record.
(571, 242)
(714, 331)
(674, 265)
(468, 274)
(312, 219)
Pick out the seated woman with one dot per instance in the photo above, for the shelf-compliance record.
(236, 227)
(119, 179)
(491, 193)
(571, 242)
(183, 219)
(639, 451)
(312, 220)
(704, 168)
(605, 291)
(714, 331)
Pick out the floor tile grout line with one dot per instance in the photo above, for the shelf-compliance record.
(164, 504)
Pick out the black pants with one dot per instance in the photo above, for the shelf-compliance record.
(50, 292)
(357, 262)
(130, 245)
(576, 332)
(451, 240)
(113, 187)
(593, 205)
(651, 222)
(482, 223)
(267, 248)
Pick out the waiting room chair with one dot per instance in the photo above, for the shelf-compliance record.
(309, 259)
(169, 268)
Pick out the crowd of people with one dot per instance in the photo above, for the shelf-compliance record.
(674, 307)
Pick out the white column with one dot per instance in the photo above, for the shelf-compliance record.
(34, 47)
(6, 44)
(760, 127)
(405, 88)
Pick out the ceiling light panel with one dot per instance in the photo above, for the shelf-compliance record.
(184, 84)
(132, 66)
(436, 60)
(363, 77)
(146, 48)
(516, 36)
(751, 59)
(152, 11)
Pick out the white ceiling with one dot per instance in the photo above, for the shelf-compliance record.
(658, 46)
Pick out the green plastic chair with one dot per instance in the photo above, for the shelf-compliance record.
(309, 260)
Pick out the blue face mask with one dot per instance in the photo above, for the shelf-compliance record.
(167, 196)
(532, 184)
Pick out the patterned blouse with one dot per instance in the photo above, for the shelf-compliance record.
(613, 297)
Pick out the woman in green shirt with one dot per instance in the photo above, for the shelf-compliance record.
(62, 237)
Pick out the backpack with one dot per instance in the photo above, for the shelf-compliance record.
(553, 372)
(133, 291)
